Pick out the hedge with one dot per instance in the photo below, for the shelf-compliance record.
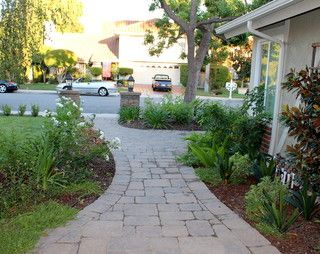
(96, 71)
(123, 71)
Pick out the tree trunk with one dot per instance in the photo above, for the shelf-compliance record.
(193, 74)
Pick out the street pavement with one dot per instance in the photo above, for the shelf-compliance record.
(90, 104)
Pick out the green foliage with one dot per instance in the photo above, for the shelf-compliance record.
(241, 60)
(124, 71)
(184, 74)
(6, 110)
(208, 175)
(20, 234)
(264, 166)
(304, 125)
(129, 114)
(241, 168)
(255, 197)
(22, 109)
(275, 212)
(245, 132)
(46, 171)
(35, 110)
(155, 116)
(23, 30)
(305, 200)
(60, 58)
(223, 164)
(254, 101)
(85, 189)
(96, 71)
(205, 155)
(219, 75)
(181, 113)
(257, 3)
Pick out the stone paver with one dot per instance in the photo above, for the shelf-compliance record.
(154, 206)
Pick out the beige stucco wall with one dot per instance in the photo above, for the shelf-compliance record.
(299, 34)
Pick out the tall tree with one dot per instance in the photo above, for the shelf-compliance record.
(22, 28)
(196, 20)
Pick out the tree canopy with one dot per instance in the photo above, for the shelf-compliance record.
(195, 20)
(22, 28)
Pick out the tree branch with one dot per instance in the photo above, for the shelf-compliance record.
(193, 12)
(214, 20)
(172, 15)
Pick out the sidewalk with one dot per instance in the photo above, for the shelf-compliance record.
(154, 206)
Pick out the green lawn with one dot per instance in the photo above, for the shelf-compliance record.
(38, 86)
(24, 127)
(225, 94)
(20, 234)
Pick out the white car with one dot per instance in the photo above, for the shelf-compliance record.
(102, 88)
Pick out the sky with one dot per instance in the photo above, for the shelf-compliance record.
(97, 11)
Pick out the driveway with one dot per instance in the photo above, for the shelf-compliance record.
(154, 206)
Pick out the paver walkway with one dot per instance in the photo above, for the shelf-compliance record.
(154, 205)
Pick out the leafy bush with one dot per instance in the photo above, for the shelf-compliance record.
(96, 71)
(124, 71)
(264, 166)
(6, 110)
(181, 113)
(255, 197)
(156, 116)
(60, 58)
(219, 75)
(306, 201)
(35, 110)
(129, 114)
(22, 109)
(254, 101)
(241, 168)
(304, 126)
(275, 211)
(208, 175)
(184, 74)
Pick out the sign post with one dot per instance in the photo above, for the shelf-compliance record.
(231, 86)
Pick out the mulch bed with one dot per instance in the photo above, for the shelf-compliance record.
(140, 124)
(302, 238)
(103, 172)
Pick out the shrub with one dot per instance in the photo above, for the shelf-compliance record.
(254, 101)
(129, 114)
(124, 71)
(255, 197)
(241, 168)
(6, 109)
(306, 201)
(156, 116)
(35, 110)
(22, 109)
(219, 75)
(96, 71)
(304, 126)
(208, 175)
(183, 74)
(181, 113)
(264, 166)
(275, 211)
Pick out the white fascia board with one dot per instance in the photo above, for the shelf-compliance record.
(268, 14)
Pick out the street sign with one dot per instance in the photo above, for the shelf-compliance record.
(231, 86)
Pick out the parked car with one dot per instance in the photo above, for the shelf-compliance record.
(161, 82)
(7, 86)
(102, 88)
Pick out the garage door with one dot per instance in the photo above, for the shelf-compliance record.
(143, 73)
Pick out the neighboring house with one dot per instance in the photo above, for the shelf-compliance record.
(122, 43)
(285, 33)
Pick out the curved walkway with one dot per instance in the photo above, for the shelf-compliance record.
(154, 205)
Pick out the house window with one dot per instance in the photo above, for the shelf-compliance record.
(269, 65)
